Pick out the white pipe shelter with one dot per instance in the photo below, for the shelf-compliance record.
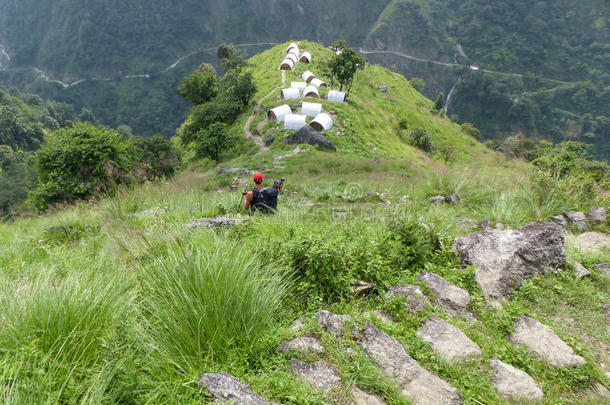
(308, 76)
(279, 113)
(294, 51)
(287, 64)
(306, 57)
(318, 83)
(311, 109)
(298, 85)
(336, 96)
(311, 91)
(290, 94)
(322, 122)
(291, 46)
(294, 58)
(294, 121)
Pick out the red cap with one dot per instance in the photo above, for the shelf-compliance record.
(258, 177)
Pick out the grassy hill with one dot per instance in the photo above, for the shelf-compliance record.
(118, 301)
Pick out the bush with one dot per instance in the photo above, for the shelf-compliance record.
(77, 163)
(420, 139)
(154, 157)
(200, 87)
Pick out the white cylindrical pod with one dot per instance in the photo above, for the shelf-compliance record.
(311, 109)
(306, 57)
(318, 83)
(294, 52)
(288, 64)
(279, 113)
(292, 46)
(294, 58)
(290, 94)
(336, 96)
(311, 91)
(298, 85)
(322, 122)
(294, 121)
(308, 76)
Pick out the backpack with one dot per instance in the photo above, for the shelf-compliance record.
(264, 200)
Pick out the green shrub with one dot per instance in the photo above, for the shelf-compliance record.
(420, 138)
(154, 157)
(77, 163)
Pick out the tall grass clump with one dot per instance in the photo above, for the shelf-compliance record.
(206, 300)
(53, 335)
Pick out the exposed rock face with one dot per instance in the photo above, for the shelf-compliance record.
(486, 224)
(453, 199)
(559, 220)
(362, 289)
(604, 268)
(592, 241)
(299, 323)
(362, 398)
(224, 387)
(437, 199)
(416, 383)
(309, 136)
(504, 259)
(216, 222)
(415, 299)
(224, 170)
(302, 344)
(447, 340)
(581, 271)
(332, 323)
(514, 383)
(319, 374)
(598, 215)
(577, 219)
(544, 343)
(452, 298)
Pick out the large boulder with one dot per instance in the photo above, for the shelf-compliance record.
(598, 215)
(542, 342)
(415, 299)
(504, 259)
(452, 298)
(578, 219)
(514, 383)
(332, 323)
(309, 136)
(226, 388)
(447, 340)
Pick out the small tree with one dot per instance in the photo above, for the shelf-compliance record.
(447, 151)
(154, 157)
(214, 142)
(225, 51)
(339, 45)
(439, 104)
(419, 138)
(200, 87)
(343, 67)
(471, 130)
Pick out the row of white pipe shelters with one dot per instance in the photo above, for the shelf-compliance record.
(287, 64)
(298, 85)
(306, 57)
(322, 122)
(308, 76)
(290, 94)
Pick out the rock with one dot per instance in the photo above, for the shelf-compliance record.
(485, 224)
(581, 271)
(416, 300)
(514, 383)
(417, 384)
(467, 224)
(216, 222)
(61, 229)
(577, 219)
(251, 152)
(559, 220)
(437, 199)
(154, 212)
(245, 171)
(319, 374)
(447, 340)
(299, 323)
(383, 316)
(262, 167)
(332, 323)
(302, 344)
(362, 289)
(606, 308)
(224, 387)
(598, 215)
(453, 299)
(362, 398)
(309, 136)
(504, 259)
(453, 199)
(592, 241)
(601, 390)
(544, 343)
(500, 226)
(224, 170)
(603, 268)
(269, 139)
(355, 333)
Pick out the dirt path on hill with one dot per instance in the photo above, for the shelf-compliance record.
(257, 138)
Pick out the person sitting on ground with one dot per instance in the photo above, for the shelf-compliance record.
(261, 199)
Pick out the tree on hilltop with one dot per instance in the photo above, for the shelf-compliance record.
(344, 66)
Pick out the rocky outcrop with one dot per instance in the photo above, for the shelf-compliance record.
(604, 268)
(453, 299)
(362, 288)
(598, 215)
(321, 375)
(504, 259)
(592, 241)
(581, 271)
(559, 220)
(544, 343)
(415, 299)
(216, 222)
(302, 344)
(578, 219)
(269, 139)
(417, 384)
(226, 388)
(447, 340)
(332, 323)
(362, 398)
(308, 135)
(514, 383)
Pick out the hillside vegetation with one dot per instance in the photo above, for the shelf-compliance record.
(119, 300)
